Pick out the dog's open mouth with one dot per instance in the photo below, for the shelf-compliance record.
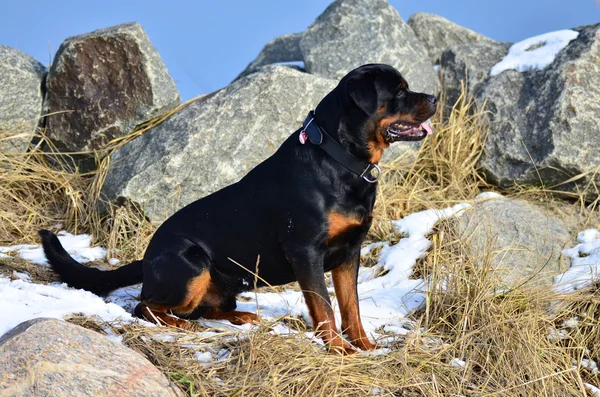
(407, 132)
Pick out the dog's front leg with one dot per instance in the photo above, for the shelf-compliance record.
(312, 281)
(344, 281)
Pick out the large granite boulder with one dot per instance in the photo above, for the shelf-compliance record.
(438, 33)
(214, 141)
(545, 124)
(526, 240)
(53, 358)
(103, 84)
(468, 64)
(350, 33)
(284, 48)
(21, 98)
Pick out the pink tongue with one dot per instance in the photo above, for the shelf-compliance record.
(427, 128)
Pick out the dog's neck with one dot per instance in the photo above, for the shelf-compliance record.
(336, 126)
(315, 134)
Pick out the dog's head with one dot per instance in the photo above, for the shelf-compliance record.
(372, 107)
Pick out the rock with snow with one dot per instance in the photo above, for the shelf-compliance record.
(526, 240)
(284, 48)
(468, 64)
(350, 33)
(535, 52)
(47, 357)
(438, 33)
(545, 121)
(21, 98)
(103, 84)
(214, 141)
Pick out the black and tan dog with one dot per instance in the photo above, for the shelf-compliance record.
(304, 211)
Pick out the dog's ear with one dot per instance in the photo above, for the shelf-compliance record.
(361, 89)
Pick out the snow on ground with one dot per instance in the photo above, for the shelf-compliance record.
(585, 263)
(77, 246)
(535, 52)
(22, 301)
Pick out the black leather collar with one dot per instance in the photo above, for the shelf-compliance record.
(318, 136)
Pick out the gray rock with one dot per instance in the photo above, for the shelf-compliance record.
(545, 124)
(469, 65)
(214, 141)
(350, 33)
(21, 97)
(438, 33)
(525, 240)
(53, 358)
(284, 48)
(106, 82)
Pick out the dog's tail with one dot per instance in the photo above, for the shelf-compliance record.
(79, 276)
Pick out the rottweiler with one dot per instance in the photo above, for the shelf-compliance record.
(303, 211)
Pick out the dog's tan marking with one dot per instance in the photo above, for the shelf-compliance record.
(159, 316)
(233, 317)
(197, 289)
(339, 223)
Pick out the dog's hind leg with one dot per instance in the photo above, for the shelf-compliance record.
(234, 317)
(179, 300)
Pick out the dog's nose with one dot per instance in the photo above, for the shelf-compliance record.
(431, 99)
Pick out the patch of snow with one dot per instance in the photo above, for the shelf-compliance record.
(556, 335)
(588, 364)
(571, 323)
(397, 330)
(223, 354)
(126, 297)
(114, 261)
(374, 353)
(21, 276)
(488, 195)
(22, 301)
(203, 357)
(436, 68)
(585, 263)
(300, 64)
(77, 246)
(164, 337)
(366, 250)
(592, 389)
(457, 363)
(535, 52)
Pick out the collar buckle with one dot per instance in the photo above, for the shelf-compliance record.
(371, 174)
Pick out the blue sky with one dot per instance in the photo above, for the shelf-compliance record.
(205, 44)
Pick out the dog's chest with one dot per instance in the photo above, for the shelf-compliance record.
(341, 224)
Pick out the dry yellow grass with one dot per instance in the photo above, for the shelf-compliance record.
(501, 336)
